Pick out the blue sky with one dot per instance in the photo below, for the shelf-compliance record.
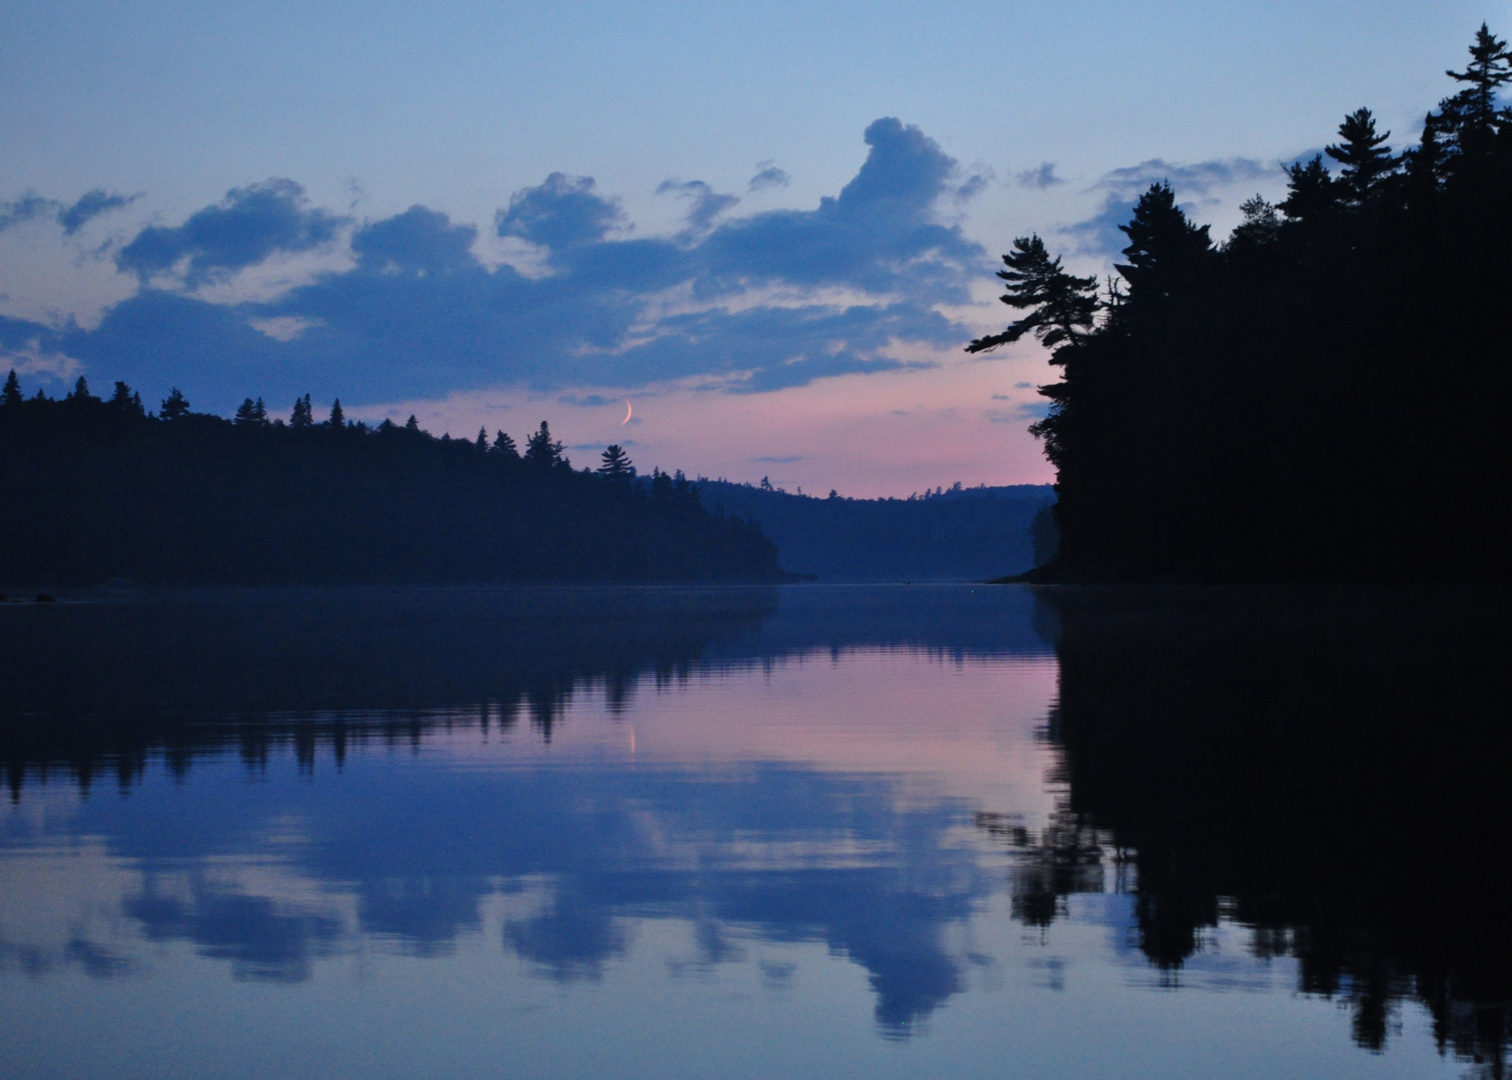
(769, 226)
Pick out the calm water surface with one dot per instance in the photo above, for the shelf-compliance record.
(808, 832)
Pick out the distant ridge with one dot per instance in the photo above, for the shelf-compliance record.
(955, 534)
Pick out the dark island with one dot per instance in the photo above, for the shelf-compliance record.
(98, 489)
(1322, 397)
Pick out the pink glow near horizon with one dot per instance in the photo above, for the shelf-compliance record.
(867, 436)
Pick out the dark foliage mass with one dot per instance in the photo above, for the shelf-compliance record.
(1320, 765)
(1322, 396)
(949, 535)
(94, 489)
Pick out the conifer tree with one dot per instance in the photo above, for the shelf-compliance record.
(1061, 305)
(303, 415)
(1490, 68)
(1425, 164)
(1261, 224)
(412, 424)
(1311, 196)
(1363, 153)
(617, 464)
(175, 405)
(11, 395)
(338, 418)
(80, 390)
(482, 441)
(504, 445)
(541, 450)
(1164, 246)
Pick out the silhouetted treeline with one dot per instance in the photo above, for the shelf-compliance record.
(1322, 396)
(951, 534)
(1325, 767)
(94, 489)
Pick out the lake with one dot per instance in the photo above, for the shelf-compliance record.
(808, 831)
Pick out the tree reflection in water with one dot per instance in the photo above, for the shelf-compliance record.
(1324, 767)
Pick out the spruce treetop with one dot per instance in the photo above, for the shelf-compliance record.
(175, 405)
(1363, 153)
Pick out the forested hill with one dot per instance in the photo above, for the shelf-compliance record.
(94, 489)
(1323, 396)
(960, 534)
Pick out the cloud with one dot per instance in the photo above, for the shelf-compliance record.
(768, 176)
(974, 186)
(623, 444)
(1196, 179)
(90, 206)
(879, 235)
(71, 218)
(774, 348)
(1040, 178)
(736, 304)
(1024, 410)
(779, 460)
(418, 241)
(1121, 188)
(903, 174)
(705, 203)
(282, 327)
(27, 207)
(244, 229)
(564, 212)
(589, 401)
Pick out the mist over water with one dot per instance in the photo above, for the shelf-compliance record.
(871, 830)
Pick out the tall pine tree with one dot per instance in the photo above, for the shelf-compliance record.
(1061, 306)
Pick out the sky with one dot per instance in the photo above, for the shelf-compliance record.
(764, 230)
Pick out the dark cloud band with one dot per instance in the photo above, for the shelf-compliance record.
(417, 314)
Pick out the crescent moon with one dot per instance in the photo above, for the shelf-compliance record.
(628, 412)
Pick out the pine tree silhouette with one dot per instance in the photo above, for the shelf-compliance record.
(541, 450)
(1363, 153)
(175, 405)
(1164, 246)
(617, 464)
(1311, 195)
(1061, 305)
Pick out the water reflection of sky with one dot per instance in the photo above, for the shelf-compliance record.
(756, 869)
